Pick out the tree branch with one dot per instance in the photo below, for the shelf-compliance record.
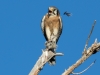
(84, 70)
(94, 48)
(89, 35)
(47, 54)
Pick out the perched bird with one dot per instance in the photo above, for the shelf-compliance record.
(52, 27)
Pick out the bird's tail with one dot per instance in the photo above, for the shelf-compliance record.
(52, 61)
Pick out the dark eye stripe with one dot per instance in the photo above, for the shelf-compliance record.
(54, 9)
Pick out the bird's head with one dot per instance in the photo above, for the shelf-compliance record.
(53, 11)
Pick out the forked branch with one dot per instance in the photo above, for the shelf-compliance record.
(43, 59)
(94, 48)
(89, 35)
(86, 54)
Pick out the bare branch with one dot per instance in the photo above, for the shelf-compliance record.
(85, 69)
(94, 48)
(43, 59)
(41, 62)
(89, 35)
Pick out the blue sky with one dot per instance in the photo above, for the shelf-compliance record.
(22, 41)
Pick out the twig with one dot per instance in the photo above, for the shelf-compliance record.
(84, 70)
(89, 35)
(94, 48)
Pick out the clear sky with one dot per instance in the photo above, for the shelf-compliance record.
(22, 41)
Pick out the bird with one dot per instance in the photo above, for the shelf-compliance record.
(67, 13)
(51, 26)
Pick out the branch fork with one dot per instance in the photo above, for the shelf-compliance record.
(47, 54)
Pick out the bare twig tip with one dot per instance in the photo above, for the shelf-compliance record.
(59, 54)
(96, 40)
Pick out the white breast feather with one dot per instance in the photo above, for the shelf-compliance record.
(48, 33)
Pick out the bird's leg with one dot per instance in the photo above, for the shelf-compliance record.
(50, 44)
(54, 41)
(46, 43)
(54, 45)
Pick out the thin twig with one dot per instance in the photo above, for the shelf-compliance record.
(89, 35)
(85, 69)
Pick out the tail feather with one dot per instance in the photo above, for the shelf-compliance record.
(52, 61)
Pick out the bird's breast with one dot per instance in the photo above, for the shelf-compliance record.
(52, 23)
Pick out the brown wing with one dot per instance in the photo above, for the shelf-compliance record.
(43, 27)
(60, 29)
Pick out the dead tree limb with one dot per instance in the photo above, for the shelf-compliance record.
(93, 49)
(83, 70)
(87, 52)
(43, 59)
(41, 62)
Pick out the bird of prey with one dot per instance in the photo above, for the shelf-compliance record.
(52, 27)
